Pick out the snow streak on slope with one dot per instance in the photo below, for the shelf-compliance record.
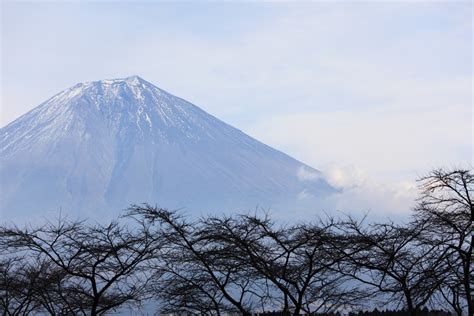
(102, 145)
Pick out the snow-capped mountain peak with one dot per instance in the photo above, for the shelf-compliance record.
(102, 145)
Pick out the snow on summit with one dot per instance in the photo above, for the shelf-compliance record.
(102, 145)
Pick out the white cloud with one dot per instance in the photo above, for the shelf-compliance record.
(360, 193)
(344, 177)
(305, 174)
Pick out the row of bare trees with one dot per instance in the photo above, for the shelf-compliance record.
(247, 263)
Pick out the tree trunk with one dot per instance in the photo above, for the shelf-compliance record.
(411, 308)
(467, 278)
(95, 304)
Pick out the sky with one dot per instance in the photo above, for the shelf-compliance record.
(374, 94)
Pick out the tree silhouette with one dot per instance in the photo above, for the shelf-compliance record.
(98, 267)
(243, 264)
(446, 210)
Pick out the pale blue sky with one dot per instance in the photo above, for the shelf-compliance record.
(374, 93)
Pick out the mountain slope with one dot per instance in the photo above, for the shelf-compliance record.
(102, 145)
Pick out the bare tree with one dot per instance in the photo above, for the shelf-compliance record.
(198, 274)
(451, 292)
(391, 259)
(17, 287)
(299, 261)
(94, 268)
(446, 209)
(245, 262)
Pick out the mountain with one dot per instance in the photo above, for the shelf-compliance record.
(100, 146)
